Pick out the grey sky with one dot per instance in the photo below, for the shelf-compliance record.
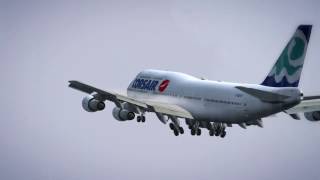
(45, 134)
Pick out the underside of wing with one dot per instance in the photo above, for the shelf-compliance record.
(309, 106)
(103, 95)
(305, 106)
(169, 109)
(152, 106)
(118, 99)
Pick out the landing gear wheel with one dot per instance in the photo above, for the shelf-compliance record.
(199, 132)
(171, 125)
(193, 132)
(217, 133)
(181, 130)
(143, 119)
(223, 134)
(176, 133)
(138, 118)
(211, 132)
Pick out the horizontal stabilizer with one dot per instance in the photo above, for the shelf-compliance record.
(263, 95)
(311, 97)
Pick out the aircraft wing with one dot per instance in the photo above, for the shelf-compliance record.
(166, 109)
(169, 109)
(309, 104)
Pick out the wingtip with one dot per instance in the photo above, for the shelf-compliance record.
(71, 82)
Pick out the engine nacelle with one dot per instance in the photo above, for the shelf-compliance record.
(122, 114)
(312, 116)
(90, 104)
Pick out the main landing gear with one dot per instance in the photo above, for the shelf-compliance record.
(175, 126)
(195, 129)
(141, 118)
(176, 129)
(217, 129)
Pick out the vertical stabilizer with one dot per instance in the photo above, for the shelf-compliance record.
(287, 70)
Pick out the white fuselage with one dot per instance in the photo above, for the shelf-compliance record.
(208, 100)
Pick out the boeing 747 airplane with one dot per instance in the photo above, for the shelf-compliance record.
(212, 105)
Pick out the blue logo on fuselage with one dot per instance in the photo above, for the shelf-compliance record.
(145, 84)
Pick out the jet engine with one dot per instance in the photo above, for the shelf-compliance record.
(90, 104)
(122, 114)
(312, 116)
